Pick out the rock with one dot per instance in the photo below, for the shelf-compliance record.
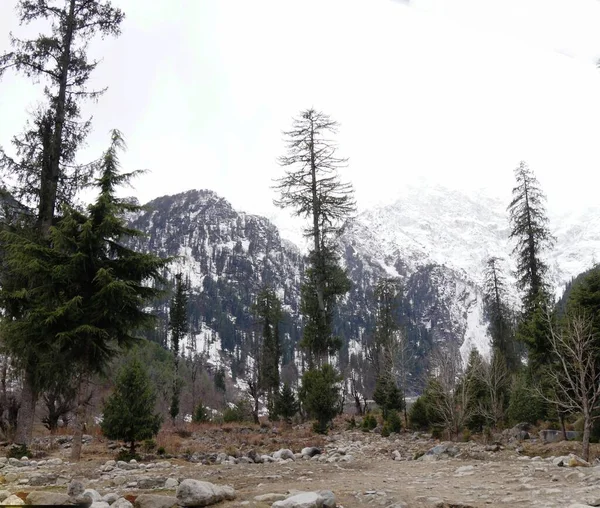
(75, 488)
(119, 480)
(270, 498)
(153, 501)
(99, 504)
(94, 495)
(11, 477)
(171, 483)
(43, 479)
(570, 460)
(15, 462)
(150, 483)
(492, 448)
(14, 500)
(110, 498)
(52, 498)
(121, 503)
(310, 451)
(198, 493)
(55, 462)
(4, 494)
(324, 498)
(284, 454)
(328, 498)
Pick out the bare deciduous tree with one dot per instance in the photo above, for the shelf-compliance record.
(495, 377)
(573, 373)
(450, 390)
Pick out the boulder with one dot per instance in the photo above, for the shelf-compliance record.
(13, 500)
(270, 498)
(321, 499)
(99, 504)
(121, 503)
(151, 483)
(110, 498)
(94, 495)
(42, 479)
(198, 493)
(284, 454)
(171, 483)
(75, 488)
(48, 498)
(310, 451)
(153, 501)
(4, 494)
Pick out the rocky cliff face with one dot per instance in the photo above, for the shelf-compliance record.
(436, 241)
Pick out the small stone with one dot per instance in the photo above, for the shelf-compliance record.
(122, 503)
(110, 498)
(171, 483)
(153, 501)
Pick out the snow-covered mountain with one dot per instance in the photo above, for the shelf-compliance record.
(434, 239)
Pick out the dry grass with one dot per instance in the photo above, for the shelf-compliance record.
(558, 449)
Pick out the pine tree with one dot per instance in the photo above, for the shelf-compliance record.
(313, 189)
(129, 412)
(87, 290)
(286, 405)
(498, 313)
(178, 326)
(268, 313)
(44, 169)
(319, 395)
(529, 227)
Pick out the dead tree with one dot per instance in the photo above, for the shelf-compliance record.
(573, 374)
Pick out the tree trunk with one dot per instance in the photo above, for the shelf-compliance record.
(587, 430)
(80, 417)
(255, 412)
(26, 414)
(563, 428)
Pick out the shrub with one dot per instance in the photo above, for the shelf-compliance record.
(200, 414)
(149, 445)
(161, 450)
(18, 451)
(417, 416)
(126, 456)
(351, 423)
(393, 422)
(369, 422)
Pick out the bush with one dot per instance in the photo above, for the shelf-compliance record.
(232, 414)
(369, 422)
(393, 422)
(417, 416)
(149, 445)
(126, 456)
(161, 450)
(200, 414)
(351, 423)
(18, 451)
(320, 395)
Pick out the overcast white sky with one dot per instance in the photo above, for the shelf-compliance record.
(454, 91)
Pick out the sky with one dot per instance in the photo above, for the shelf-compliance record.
(453, 92)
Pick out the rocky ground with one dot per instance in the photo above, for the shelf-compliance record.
(361, 469)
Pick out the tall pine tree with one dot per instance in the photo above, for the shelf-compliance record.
(44, 167)
(268, 314)
(313, 189)
(498, 312)
(529, 229)
(87, 291)
(178, 326)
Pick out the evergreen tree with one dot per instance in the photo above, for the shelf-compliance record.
(584, 299)
(313, 189)
(44, 169)
(529, 227)
(178, 326)
(286, 405)
(268, 313)
(319, 395)
(87, 290)
(129, 412)
(498, 313)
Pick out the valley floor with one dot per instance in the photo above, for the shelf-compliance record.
(362, 469)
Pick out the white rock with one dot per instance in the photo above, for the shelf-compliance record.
(13, 500)
(198, 493)
(121, 503)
